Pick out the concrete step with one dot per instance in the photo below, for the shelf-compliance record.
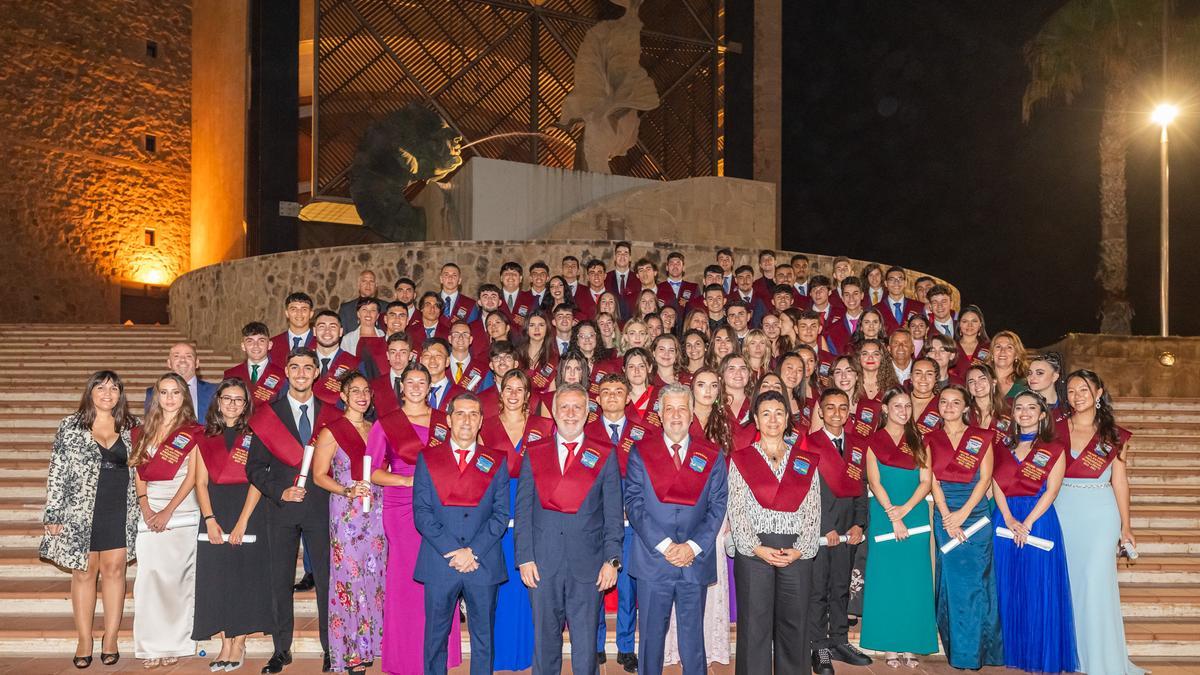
(1160, 600)
(1156, 569)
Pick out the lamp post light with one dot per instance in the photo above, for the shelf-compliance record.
(1163, 115)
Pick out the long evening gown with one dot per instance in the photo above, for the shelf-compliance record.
(164, 591)
(404, 605)
(898, 613)
(513, 643)
(357, 557)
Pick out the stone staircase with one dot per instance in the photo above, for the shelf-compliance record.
(43, 368)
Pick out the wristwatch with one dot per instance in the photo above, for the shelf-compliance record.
(616, 563)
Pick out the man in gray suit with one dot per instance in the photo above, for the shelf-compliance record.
(568, 529)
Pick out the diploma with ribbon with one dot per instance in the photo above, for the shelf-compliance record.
(970, 531)
(891, 536)
(246, 538)
(1036, 542)
(305, 464)
(177, 521)
(822, 541)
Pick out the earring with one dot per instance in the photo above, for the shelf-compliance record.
(1097, 404)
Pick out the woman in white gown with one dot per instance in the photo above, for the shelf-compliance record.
(164, 591)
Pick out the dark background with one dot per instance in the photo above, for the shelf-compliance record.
(903, 142)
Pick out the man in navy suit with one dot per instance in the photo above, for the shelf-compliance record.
(675, 496)
(182, 361)
(568, 533)
(460, 508)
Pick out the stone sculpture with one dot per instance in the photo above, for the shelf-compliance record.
(611, 87)
(409, 145)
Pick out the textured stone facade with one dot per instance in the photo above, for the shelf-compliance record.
(79, 93)
(212, 304)
(1132, 365)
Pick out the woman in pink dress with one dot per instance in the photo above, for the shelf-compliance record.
(393, 444)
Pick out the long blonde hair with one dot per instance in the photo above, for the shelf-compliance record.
(154, 428)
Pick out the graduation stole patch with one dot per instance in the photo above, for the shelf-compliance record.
(843, 475)
(171, 453)
(867, 415)
(464, 488)
(327, 387)
(565, 491)
(226, 466)
(1096, 457)
(682, 486)
(958, 464)
(929, 419)
(782, 494)
(542, 376)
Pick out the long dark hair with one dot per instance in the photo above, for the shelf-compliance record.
(1106, 421)
(998, 401)
(1045, 430)
(214, 421)
(154, 429)
(912, 436)
(86, 413)
(544, 355)
(716, 429)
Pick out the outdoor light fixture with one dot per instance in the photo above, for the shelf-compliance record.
(1164, 114)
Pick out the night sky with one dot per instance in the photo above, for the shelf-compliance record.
(903, 142)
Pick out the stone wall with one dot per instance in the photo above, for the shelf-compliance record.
(212, 304)
(78, 188)
(1132, 365)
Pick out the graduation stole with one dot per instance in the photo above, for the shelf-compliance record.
(1096, 457)
(958, 464)
(327, 388)
(643, 406)
(565, 491)
(541, 377)
(462, 306)
(867, 416)
(742, 416)
(599, 370)
(929, 419)
(279, 440)
(1024, 477)
(843, 475)
(171, 452)
(351, 443)
(226, 466)
(802, 417)
(401, 435)
(383, 393)
(466, 488)
(778, 494)
(270, 380)
(493, 434)
(682, 486)
(825, 359)
(374, 349)
(979, 355)
(887, 452)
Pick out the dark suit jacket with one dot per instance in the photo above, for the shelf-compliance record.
(204, 396)
(580, 541)
(271, 476)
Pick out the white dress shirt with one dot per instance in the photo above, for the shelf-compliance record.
(262, 368)
(683, 450)
(456, 448)
(194, 390)
(310, 411)
(291, 339)
(946, 328)
(905, 374)
(852, 322)
(454, 363)
(609, 424)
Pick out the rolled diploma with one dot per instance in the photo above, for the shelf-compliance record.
(975, 527)
(246, 538)
(367, 478)
(891, 536)
(821, 541)
(304, 466)
(177, 520)
(1036, 542)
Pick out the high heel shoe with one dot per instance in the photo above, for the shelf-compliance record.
(82, 662)
(110, 659)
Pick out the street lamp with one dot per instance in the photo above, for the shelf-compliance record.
(1163, 115)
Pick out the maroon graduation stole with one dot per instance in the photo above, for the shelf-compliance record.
(802, 416)
(374, 349)
(171, 452)
(464, 488)
(887, 452)
(980, 354)
(472, 376)
(843, 475)
(541, 377)
(401, 435)
(523, 305)
(1096, 457)
(742, 416)
(682, 486)
(226, 466)
(1024, 478)
(929, 419)
(351, 443)
(782, 494)
(564, 492)
(868, 415)
(279, 441)
(653, 415)
(463, 305)
(599, 370)
(633, 433)
(270, 380)
(958, 464)
(383, 393)
(493, 435)
(327, 388)
(825, 361)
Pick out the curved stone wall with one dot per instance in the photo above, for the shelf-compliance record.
(211, 304)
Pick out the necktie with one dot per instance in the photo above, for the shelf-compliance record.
(295, 343)
(945, 330)
(324, 366)
(616, 433)
(570, 455)
(511, 302)
(620, 284)
(725, 283)
(457, 372)
(675, 447)
(462, 460)
(898, 312)
(837, 443)
(433, 396)
(429, 332)
(399, 389)
(853, 324)
(254, 372)
(448, 305)
(305, 426)
(562, 347)
(675, 287)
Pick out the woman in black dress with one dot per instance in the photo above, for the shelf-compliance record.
(231, 565)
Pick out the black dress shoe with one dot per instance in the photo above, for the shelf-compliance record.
(601, 657)
(628, 660)
(277, 662)
(325, 666)
(822, 664)
(848, 653)
(307, 583)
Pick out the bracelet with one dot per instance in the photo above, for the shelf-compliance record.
(346, 491)
(141, 496)
(204, 518)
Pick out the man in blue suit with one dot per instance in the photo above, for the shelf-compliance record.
(568, 533)
(675, 494)
(460, 508)
(182, 361)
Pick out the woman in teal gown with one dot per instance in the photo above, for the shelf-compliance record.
(898, 615)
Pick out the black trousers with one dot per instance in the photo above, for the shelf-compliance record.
(284, 540)
(773, 604)
(828, 623)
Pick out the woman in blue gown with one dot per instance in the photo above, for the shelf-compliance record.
(1032, 583)
(967, 612)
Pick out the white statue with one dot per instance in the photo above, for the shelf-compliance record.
(611, 87)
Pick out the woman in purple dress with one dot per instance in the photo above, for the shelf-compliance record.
(393, 444)
(357, 548)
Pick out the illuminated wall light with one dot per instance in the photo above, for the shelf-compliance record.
(155, 276)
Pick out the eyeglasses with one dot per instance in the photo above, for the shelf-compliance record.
(233, 400)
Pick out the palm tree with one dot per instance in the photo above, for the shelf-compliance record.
(1116, 42)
